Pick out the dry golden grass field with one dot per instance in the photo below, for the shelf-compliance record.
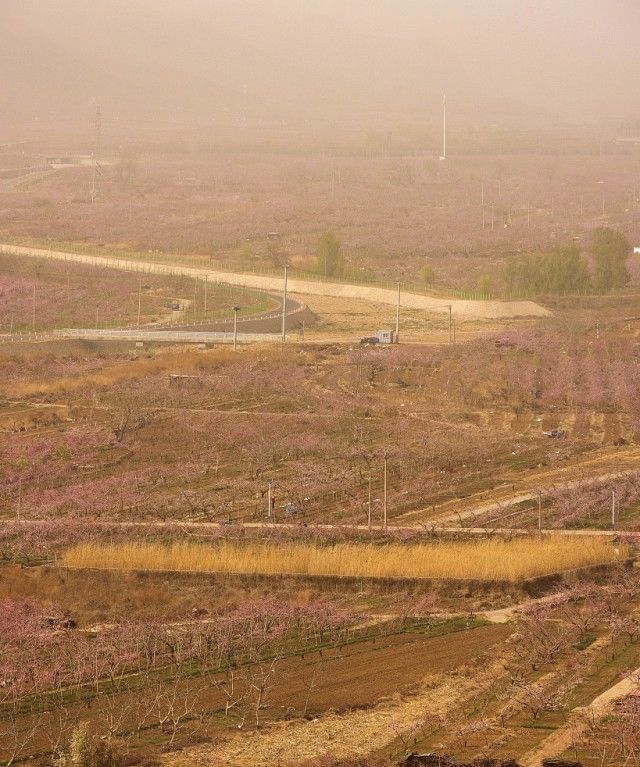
(481, 560)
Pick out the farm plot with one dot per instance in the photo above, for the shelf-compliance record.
(149, 686)
(200, 435)
(401, 210)
(39, 294)
(491, 560)
(566, 653)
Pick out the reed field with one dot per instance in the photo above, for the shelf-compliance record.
(485, 560)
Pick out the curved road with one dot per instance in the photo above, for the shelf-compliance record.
(469, 310)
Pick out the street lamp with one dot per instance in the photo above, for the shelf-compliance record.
(236, 309)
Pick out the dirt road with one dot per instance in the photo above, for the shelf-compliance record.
(468, 310)
(605, 465)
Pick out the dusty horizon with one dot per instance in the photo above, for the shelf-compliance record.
(376, 64)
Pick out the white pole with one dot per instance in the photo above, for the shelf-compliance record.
(444, 127)
(235, 328)
(19, 499)
(385, 492)
(284, 307)
(539, 511)
(369, 505)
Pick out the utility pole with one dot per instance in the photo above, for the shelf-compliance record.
(369, 505)
(444, 128)
(236, 309)
(450, 324)
(385, 507)
(284, 307)
(540, 511)
(19, 499)
(398, 317)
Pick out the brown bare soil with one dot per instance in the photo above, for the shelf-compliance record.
(358, 733)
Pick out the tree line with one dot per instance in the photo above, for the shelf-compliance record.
(564, 270)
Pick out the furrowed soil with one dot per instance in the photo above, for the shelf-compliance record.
(358, 733)
(340, 679)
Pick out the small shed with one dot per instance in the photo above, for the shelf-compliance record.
(386, 336)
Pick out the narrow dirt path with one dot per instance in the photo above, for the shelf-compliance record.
(562, 739)
(461, 308)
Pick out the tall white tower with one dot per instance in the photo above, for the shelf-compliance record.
(443, 156)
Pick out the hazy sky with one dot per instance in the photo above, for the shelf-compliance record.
(209, 59)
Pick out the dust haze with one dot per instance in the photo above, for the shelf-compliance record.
(319, 383)
(376, 64)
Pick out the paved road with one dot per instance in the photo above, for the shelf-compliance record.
(468, 310)
(165, 336)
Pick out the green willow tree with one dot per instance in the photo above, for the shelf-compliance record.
(426, 275)
(329, 257)
(560, 271)
(610, 251)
